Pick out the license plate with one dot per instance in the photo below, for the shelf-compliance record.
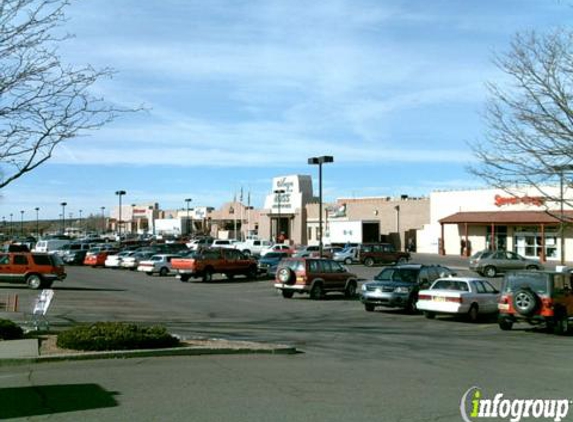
(503, 306)
(439, 299)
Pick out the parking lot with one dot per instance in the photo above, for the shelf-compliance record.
(354, 365)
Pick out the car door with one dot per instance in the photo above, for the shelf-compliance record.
(485, 295)
(19, 267)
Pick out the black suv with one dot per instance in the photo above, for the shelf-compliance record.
(398, 286)
(537, 297)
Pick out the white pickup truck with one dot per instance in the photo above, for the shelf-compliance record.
(253, 246)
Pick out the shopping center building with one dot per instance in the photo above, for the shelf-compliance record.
(526, 222)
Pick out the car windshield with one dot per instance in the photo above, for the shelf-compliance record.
(450, 285)
(538, 282)
(406, 275)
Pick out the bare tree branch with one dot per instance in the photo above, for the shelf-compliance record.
(42, 101)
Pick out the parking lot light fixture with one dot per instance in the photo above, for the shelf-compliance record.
(119, 193)
(188, 226)
(37, 222)
(63, 204)
(102, 220)
(320, 161)
(22, 223)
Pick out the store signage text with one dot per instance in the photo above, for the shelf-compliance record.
(537, 201)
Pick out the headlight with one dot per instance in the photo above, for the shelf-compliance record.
(363, 288)
(401, 290)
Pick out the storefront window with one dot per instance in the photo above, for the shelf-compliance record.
(529, 242)
(500, 238)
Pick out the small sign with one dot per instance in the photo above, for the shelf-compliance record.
(43, 302)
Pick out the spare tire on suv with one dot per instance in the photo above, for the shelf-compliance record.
(286, 275)
(525, 301)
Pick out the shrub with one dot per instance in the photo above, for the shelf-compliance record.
(115, 336)
(9, 330)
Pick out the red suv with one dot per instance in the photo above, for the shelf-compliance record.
(315, 276)
(537, 297)
(37, 270)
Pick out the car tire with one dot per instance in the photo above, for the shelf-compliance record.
(287, 294)
(207, 275)
(286, 276)
(350, 290)
(429, 315)
(163, 271)
(505, 324)
(34, 281)
(369, 308)
(490, 271)
(149, 273)
(317, 291)
(184, 278)
(252, 273)
(348, 261)
(525, 302)
(369, 262)
(473, 313)
(229, 276)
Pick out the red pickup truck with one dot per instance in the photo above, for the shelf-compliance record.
(206, 262)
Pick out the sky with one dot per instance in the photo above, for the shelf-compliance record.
(237, 92)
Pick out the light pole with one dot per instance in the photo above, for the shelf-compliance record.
(102, 220)
(37, 222)
(561, 170)
(11, 226)
(119, 193)
(80, 222)
(189, 227)
(320, 161)
(278, 193)
(22, 223)
(63, 204)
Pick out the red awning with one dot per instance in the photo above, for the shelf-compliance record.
(506, 217)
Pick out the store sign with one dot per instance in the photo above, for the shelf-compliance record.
(287, 194)
(537, 201)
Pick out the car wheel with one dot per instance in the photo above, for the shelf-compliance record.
(34, 281)
(525, 301)
(348, 261)
(247, 252)
(350, 290)
(317, 292)
(473, 313)
(184, 278)
(490, 271)
(287, 294)
(252, 273)
(163, 271)
(505, 324)
(368, 307)
(149, 273)
(286, 276)
(369, 262)
(207, 275)
(429, 315)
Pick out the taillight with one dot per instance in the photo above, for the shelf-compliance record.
(547, 303)
(454, 299)
(504, 299)
(424, 297)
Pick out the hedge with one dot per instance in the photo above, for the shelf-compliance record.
(10, 331)
(115, 336)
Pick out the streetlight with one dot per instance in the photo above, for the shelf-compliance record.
(561, 169)
(102, 220)
(63, 204)
(22, 223)
(81, 222)
(119, 193)
(189, 227)
(278, 193)
(11, 226)
(37, 222)
(320, 161)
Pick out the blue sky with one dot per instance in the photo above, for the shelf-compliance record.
(239, 92)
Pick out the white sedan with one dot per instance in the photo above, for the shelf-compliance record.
(459, 295)
(160, 264)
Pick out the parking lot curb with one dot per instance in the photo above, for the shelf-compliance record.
(175, 351)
